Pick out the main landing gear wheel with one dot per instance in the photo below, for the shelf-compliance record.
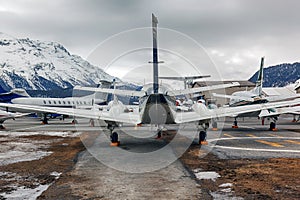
(214, 126)
(114, 138)
(158, 134)
(202, 137)
(45, 119)
(235, 124)
(92, 122)
(272, 126)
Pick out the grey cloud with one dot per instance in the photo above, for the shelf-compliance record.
(232, 27)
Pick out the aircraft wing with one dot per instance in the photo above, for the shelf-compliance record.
(201, 89)
(182, 78)
(280, 97)
(202, 113)
(286, 110)
(116, 116)
(113, 91)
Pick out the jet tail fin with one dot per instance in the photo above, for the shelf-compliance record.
(20, 91)
(260, 77)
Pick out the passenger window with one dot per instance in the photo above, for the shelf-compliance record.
(54, 102)
(49, 102)
(45, 102)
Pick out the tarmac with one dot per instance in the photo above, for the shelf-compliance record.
(144, 167)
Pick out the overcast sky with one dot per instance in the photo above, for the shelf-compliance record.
(234, 33)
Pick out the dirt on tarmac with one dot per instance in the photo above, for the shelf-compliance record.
(277, 178)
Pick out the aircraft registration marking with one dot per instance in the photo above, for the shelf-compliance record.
(273, 144)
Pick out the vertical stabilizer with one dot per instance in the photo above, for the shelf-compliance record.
(260, 77)
(155, 54)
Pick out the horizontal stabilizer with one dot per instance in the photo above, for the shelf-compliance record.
(233, 97)
(112, 91)
(183, 78)
(201, 89)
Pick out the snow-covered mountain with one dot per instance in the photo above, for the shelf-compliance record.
(279, 75)
(37, 65)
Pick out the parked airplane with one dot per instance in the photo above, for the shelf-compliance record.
(6, 97)
(83, 102)
(4, 115)
(254, 96)
(156, 105)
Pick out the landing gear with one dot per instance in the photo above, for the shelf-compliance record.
(158, 134)
(296, 120)
(202, 137)
(214, 125)
(45, 119)
(74, 121)
(273, 124)
(114, 137)
(92, 122)
(2, 127)
(235, 123)
(202, 133)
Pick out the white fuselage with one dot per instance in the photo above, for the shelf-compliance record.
(59, 102)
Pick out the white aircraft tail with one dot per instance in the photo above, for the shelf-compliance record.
(19, 91)
(259, 83)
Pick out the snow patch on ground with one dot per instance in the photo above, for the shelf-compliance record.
(25, 193)
(56, 174)
(49, 133)
(19, 191)
(224, 185)
(206, 175)
(222, 196)
(12, 151)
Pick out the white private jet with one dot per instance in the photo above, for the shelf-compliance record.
(156, 105)
(83, 102)
(255, 96)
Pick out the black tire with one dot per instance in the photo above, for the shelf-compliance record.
(235, 123)
(114, 137)
(215, 124)
(272, 126)
(202, 136)
(159, 134)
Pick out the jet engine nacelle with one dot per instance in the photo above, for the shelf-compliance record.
(116, 107)
(200, 108)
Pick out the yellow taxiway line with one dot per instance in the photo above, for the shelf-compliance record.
(227, 135)
(273, 135)
(250, 135)
(273, 144)
(292, 141)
